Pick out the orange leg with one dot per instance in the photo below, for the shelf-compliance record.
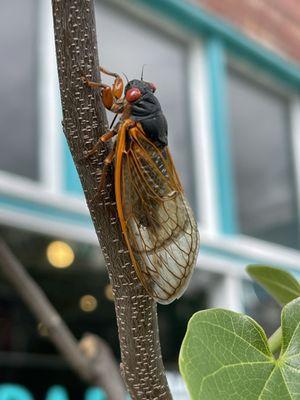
(93, 85)
(107, 162)
(110, 95)
(106, 72)
(106, 92)
(117, 87)
(104, 138)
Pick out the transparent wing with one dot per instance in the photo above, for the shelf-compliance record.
(161, 231)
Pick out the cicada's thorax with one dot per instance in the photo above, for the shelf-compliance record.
(147, 111)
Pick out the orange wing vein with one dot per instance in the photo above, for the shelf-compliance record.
(157, 222)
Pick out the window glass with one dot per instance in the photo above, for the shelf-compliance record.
(18, 134)
(125, 44)
(262, 160)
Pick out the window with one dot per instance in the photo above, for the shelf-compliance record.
(262, 161)
(166, 66)
(19, 144)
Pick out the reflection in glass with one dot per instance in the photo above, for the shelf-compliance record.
(260, 136)
(18, 132)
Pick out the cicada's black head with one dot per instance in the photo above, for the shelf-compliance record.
(146, 109)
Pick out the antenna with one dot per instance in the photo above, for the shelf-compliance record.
(142, 74)
(125, 77)
(113, 121)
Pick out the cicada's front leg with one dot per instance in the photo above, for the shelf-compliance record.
(111, 95)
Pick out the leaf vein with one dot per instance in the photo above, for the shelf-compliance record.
(240, 337)
(229, 366)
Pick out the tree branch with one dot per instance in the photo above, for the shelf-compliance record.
(106, 369)
(84, 121)
(92, 358)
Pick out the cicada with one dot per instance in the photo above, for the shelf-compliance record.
(158, 225)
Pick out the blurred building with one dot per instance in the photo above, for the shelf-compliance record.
(228, 79)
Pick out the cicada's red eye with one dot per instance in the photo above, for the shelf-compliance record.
(133, 94)
(152, 87)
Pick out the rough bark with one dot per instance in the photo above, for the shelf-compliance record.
(84, 120)
(91, 358)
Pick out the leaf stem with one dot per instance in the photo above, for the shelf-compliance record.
(275, 341)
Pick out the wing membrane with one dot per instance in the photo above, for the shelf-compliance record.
(160, 229)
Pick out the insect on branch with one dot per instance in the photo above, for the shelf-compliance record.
(144, 223)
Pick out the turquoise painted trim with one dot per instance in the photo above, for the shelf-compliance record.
(231, 256)
(53, 213)
(227, 255)
(216, 71)
(71, 181)
(196, 19)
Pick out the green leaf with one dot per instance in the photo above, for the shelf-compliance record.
(225, 355)
(279, 283)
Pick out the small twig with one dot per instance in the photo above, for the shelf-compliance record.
(92, 371)
(104, 364)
